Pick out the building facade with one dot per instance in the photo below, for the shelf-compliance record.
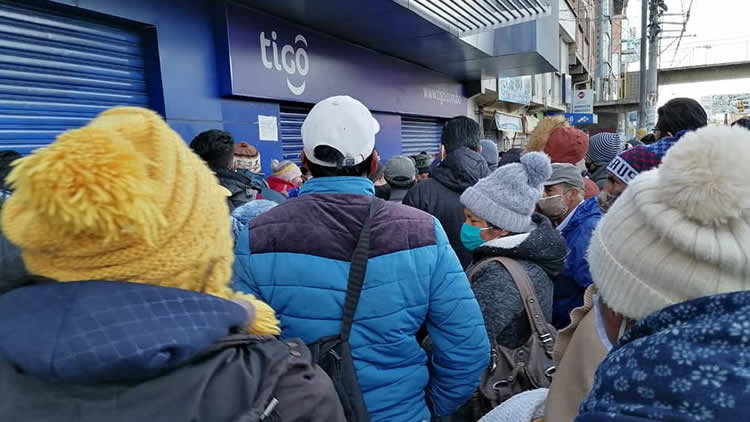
(255, 68)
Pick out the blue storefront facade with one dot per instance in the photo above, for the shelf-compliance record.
(202, 65)
(226, 65)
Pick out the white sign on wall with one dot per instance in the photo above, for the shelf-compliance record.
(515, 90)
(583, 101)
(268, 128)
(508, 122)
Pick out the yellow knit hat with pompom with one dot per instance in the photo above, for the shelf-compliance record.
(123, 198)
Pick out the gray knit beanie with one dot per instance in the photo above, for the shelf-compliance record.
(507, 197)
(604, 147)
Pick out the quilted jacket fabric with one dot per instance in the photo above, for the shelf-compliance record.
(113, 351)
(103, 331)
(296, 258)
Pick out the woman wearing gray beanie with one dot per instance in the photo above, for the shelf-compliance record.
(500, 221)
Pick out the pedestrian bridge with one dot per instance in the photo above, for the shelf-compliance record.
(704, 73)
(672, 76)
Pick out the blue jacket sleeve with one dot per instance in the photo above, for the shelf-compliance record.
(461, 349)
(242, 277)
(580, 270)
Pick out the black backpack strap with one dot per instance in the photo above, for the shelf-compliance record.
(358, 269)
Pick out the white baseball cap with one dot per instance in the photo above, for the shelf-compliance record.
(344, 124)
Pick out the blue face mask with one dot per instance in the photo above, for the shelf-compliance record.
(471, 236)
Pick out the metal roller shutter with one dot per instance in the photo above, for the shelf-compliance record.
(420, 134)
(58, 71)
(291, 131)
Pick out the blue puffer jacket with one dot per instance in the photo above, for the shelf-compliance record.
(576, 278)
(296, 258)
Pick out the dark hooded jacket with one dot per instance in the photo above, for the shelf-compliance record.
(6, 160)
(12, 268)
(240, 187)
(113, 351)
(542, 252)
(440, 194)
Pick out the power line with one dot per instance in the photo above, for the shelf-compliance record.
(684, 28)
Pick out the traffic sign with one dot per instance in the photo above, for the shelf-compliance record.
(583, 101)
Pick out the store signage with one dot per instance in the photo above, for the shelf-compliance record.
(515, 90)
(581, 119)
(720, 104)
(577, 119)
(509, 122)
(583, 101)
(267, 57)
(293, 60)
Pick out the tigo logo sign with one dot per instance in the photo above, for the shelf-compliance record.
(293, 61)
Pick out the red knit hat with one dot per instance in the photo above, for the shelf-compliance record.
(567, 145)
(243, 149)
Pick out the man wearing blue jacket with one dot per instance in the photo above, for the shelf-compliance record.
(576, 220)
(296, 257)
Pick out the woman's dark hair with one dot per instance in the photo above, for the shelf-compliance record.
(332, 155)
(681, 114)
(460, 132)
(215, 147)
(743, 122)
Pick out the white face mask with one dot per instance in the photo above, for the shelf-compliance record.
(602, 331)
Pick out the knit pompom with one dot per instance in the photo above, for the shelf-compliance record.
(264, 321)
(538, 167)
(91, 181)
(275, 164)
(705, 174)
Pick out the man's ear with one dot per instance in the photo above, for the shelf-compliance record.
(305, 162)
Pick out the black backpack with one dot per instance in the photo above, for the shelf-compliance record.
(333, 353)
(241, 378)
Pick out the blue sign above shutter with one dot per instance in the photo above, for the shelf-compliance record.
(57, 72)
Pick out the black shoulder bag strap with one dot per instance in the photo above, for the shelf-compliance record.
(358, 269)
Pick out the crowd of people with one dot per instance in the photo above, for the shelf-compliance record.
(579, 279)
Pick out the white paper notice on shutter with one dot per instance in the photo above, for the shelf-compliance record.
(268, 128)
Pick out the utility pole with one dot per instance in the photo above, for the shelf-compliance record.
(653, 60)
(643, 106)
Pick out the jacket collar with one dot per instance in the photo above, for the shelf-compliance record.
(338, 184)
(584, 210)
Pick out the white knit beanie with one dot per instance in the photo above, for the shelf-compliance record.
(507, 197)
(681, 231)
